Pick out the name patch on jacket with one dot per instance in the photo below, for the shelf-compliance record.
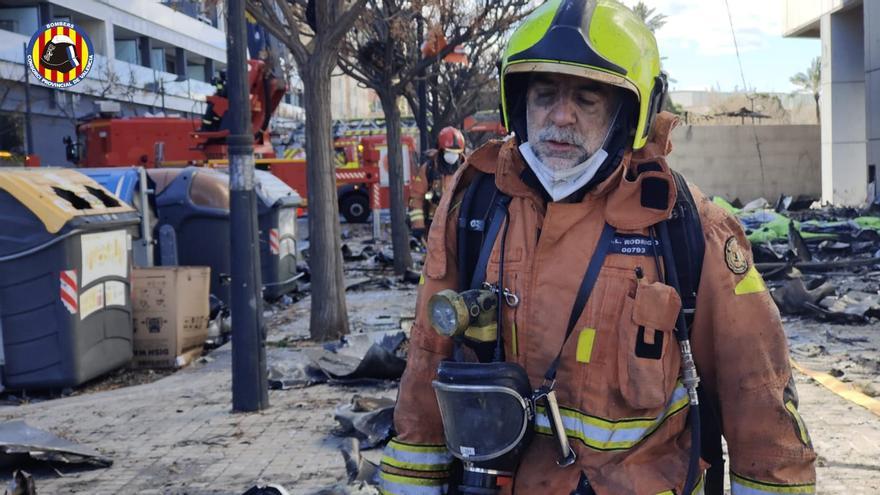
(634, 245)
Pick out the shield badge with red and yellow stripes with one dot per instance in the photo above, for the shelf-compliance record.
(60, 54)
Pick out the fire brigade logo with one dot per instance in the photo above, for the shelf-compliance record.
(735, 257)
(60, 54)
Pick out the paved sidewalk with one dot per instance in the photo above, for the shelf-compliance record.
(177, 436)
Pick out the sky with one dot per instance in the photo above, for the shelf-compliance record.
(699, 51)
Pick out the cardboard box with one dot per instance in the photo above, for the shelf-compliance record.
(170, 309)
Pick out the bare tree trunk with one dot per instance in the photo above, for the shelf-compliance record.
(329, 319)
(399, 230)
(435, 106)
(816, 97)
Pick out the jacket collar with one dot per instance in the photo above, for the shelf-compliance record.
(631, 200)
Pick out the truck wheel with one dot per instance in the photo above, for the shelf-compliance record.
(355, 208)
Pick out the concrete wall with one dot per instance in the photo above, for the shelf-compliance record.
(723, 160)
(844, 150)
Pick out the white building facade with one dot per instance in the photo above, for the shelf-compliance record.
(850, 94)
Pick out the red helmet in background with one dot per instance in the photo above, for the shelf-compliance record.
(451, 139)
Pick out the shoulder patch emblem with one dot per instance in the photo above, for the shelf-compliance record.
(734, 257)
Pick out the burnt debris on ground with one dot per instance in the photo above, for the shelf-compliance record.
(818, 262)
(18, 439)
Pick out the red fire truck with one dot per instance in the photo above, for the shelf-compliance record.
(362, 178)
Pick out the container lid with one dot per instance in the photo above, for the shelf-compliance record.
(162, 177)
(121, 181)
(270, 189)
(273, 189)
(58, 195)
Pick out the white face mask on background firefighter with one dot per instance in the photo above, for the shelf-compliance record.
(451, 157)
(450, 143)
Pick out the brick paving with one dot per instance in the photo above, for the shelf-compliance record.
(178, 436)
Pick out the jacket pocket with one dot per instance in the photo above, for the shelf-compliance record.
(647, 359)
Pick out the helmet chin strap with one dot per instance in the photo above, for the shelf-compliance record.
(560, 184)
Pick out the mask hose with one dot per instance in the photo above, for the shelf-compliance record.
(689, 371)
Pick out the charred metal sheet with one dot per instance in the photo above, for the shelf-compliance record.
(17, 438)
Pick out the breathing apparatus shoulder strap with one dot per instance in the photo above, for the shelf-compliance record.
(482, 214)
(686, 232)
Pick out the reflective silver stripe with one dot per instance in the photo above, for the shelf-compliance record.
(603, 434)
(417, 458)
(742, 486)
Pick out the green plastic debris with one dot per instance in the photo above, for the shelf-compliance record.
(729, 208)
(774, 230)
(872, 223)
(777, 230)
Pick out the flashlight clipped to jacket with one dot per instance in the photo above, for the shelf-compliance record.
(470, 313)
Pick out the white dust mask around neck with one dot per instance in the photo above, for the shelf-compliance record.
(560, 184)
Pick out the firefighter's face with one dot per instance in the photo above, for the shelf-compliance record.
(567, 117)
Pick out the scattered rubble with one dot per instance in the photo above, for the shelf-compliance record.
(267, 489)
(358, 468)
(370, 420)
(292, 368)
(818, 262)
(364, 358)
(18, 439)
(370, 356)
(22, 484)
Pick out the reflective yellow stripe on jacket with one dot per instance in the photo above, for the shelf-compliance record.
(602, 434)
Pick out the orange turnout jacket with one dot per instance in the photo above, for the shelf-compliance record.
(625, 415)
(421, 210)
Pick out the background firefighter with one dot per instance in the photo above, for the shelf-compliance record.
(433, 178)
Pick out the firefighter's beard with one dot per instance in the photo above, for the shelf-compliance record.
(556, 159)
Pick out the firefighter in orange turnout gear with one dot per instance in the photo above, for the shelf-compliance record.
(588, 194)
(432, 178)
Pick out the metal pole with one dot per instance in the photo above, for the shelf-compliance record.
(146, 228)
(249, 380)
(27, 104)
(423, 98)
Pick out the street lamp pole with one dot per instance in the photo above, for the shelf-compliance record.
(29, 133)
(249, 380)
